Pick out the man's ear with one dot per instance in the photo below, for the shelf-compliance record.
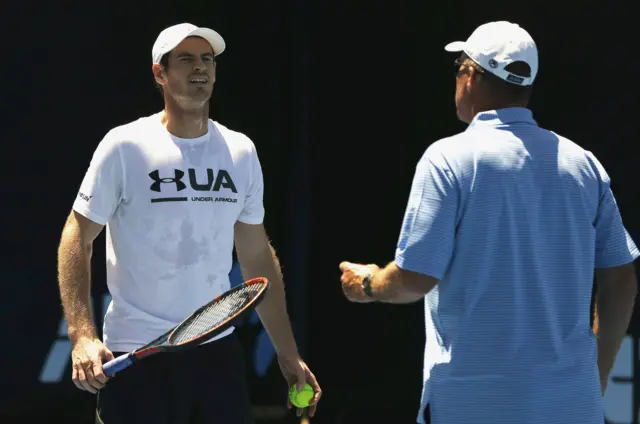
(158, 74)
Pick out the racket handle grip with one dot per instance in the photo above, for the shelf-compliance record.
(117, 364)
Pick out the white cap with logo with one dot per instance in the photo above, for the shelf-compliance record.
(170, 37)
(495, 45)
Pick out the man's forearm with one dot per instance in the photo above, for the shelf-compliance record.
(613, 313)
(391, 285)
(74, 279)
(273, 309)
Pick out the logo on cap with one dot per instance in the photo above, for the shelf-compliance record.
(515, 79)
(493, 63)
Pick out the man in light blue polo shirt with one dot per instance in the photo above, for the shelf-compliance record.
(505, 226)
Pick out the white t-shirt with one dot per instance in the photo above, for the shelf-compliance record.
(170, 206)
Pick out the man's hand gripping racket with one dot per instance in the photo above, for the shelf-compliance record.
(205, 323)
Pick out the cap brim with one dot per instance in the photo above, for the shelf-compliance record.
(215, 39)
(456, 46)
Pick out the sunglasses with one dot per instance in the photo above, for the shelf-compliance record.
(460, 66)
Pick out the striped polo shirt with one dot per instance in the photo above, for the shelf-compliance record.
(512, 219)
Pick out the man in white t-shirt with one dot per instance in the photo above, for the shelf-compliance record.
(176, 191)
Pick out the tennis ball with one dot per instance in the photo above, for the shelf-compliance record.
(301, 399)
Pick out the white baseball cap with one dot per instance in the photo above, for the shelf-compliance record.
(495, 45)
(170, 37)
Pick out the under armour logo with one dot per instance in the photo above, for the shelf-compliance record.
(155, 176)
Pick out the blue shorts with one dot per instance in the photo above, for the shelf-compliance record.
(204, 385)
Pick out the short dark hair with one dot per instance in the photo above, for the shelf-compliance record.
(507, 91)
(504, 91)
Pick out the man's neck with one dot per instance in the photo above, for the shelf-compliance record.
(186, 123)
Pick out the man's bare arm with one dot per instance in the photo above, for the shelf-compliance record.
(393, 284)
(617, 289)
(257, 258)
(74, 274)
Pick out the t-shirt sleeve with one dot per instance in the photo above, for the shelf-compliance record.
(101, 190)
(253, 210)
(427, 238)
(614, 245)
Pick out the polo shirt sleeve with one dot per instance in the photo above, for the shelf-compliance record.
(427, 237)
(102, 187)
(253, 209)
(614, 245)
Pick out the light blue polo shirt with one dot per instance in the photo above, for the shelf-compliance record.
(512, 219)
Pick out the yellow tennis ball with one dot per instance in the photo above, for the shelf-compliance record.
(301, 399)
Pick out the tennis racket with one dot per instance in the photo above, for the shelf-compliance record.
(203, 324)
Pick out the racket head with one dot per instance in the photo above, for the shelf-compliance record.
(218, 315)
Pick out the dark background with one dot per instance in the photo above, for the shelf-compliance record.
(341, 99)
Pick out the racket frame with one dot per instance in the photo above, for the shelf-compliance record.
(161, 344)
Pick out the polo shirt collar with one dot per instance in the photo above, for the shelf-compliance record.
(510, 115)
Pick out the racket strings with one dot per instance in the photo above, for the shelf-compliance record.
(215, 314)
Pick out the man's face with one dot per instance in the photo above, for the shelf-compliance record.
(191, 73)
